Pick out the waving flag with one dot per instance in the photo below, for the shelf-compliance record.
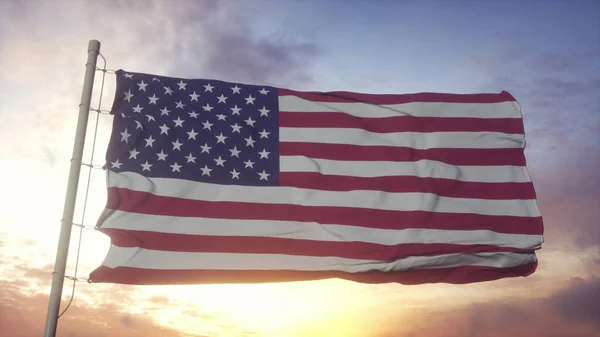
(217, 182)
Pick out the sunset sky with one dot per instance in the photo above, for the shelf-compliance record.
(545, 53)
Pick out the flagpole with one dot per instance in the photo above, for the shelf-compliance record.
(60, 265)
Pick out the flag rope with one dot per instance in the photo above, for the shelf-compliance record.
(104, 70)
(92, 166)
(84, 226)
(99, 111)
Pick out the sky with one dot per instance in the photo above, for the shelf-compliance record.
(545, 53)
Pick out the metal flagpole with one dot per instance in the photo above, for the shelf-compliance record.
(60, 265)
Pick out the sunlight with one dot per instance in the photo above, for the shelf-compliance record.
(275, 308)
(311, 308)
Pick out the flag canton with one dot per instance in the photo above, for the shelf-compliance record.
(195, 129)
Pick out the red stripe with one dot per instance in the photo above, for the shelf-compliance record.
(466, 157)
(147, 203)
(399, 123)
(269, 245)
(352, 97)
(442, 187)
(459, 275)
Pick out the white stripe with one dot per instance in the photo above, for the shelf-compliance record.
(306, 197)
(421, 168)
(417, 109)
(415, 140)
(153, 259)
(313, 231)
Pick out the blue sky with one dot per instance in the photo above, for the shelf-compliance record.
(431, 40)
(545, 53)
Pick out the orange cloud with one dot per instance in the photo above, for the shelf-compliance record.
(570, 311)
(24, 316)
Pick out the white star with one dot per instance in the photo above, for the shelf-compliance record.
(179, 105)
(123, 115)
(175, 167)
(264, 111)
(146, 166)
(263, 91)
(190, 158)
(150, 118)
(222, 99)
(116, 164)
(194, 97)
(264, 134)
(207, 125)
(128, 96)
(235, 152)
(250, 141)
(154, 79)
(181, 85)
(236, 128)
(193, 114)
(250, 99)
(137, 108)
(220, 161)
(206, 170)
(221, 138)
(249, 163)
(235, 174)
(236, 89)
(128, 75)
(221, 117)
(192, 135)
(162, 155)
(208, 87)
(205, 148)
(164, 111)
(264, 175)
(138, 125)
(176, 145)
(153, 99)
(149, 141)
(164, 129)
(168, 91)
(264, 154)
(250, 122)
(207, 107)
(142, 85)
(178, 122)
(133, 154)
(125, 136)
(235, 110)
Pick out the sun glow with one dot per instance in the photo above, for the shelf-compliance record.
(311, 308)
(323, 308)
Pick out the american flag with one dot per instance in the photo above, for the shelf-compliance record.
(218, 182)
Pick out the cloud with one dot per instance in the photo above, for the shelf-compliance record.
(557, 90)
(24, 316)
(160, 300)
(579, 302)
(42, 50)
(568, 194)
(99, 310)
(571, 311)
(43, 273)
(262, 61)
(483, 318)
(43, 56)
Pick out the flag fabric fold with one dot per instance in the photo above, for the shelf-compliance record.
(217, 182)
